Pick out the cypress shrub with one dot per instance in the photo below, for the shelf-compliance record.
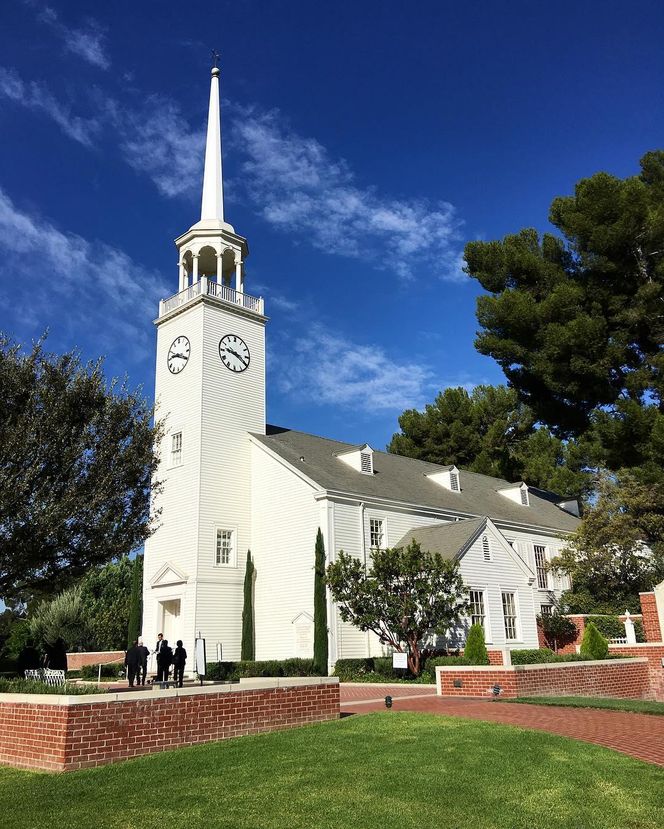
(475, 650)
(247, 648)
(320, 609)
(593, 644)
(134, 626)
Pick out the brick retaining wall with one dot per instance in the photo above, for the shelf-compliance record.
(654, 653)
(56, 733)
(626, 678)
(75, 661)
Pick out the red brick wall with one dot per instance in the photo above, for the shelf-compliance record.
(651, 628)
(654, 654)
(629, 680)
(74, 736)
(495, 657)
(75, 661)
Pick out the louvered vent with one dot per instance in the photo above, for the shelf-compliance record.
(486, 549)
(524, 497)
(454, 481)
(366, 463)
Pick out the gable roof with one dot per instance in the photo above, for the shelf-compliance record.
(446, 539)
(397, 478)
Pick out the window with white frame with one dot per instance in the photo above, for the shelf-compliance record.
(176, 449)
(486, 548)
(224, 553)
(540, 567)
(509, 615)
(477, 612)
(545, 609)
(376, 533)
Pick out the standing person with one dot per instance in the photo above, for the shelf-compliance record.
(164, 659)
(133, 663)
(179, 660)
(144, 653)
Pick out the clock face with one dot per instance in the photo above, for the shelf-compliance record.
(234, 353)
(178, 354)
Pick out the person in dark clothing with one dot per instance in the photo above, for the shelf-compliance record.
(55, 655)
(28, 659)
(144, 653)
(164, 660)
(179, 660)
(133, 663)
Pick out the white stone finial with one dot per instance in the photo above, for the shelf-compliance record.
(212, 204)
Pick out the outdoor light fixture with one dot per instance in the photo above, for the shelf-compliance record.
(388, 701)
(496, 690)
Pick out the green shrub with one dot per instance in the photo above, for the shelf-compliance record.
(233, 671)
(593, 644)
(113, 670)
(348, 669)
(29, 686)
(430, 670)
(475, 649)
(383, 666)
(534, 656)
(609, 626)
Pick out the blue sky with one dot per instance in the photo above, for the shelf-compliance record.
(364, 143)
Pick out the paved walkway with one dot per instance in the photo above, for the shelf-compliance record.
(639, 735)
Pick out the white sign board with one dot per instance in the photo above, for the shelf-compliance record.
(400, 660)
(199, 658)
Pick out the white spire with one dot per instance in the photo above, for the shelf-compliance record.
(212, 204)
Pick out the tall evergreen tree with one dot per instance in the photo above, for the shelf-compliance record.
(135, 602)
(247, 650)
(320, 609)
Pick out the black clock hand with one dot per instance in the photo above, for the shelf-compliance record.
(235, 354)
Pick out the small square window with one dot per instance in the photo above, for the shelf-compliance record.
(176, 449)
(545, 610)
(224, 551)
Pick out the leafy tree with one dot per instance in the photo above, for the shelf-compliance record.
(320, 608)
(406, 595)
(475, 648)
(593, 644)
(107, 598)
(77, 462)
(557, 629)
(59, 624)
(247, 647)
(135, 602)
(576, 320)
(618, 549)
(489, 431)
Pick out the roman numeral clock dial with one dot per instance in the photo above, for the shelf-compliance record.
(178, 355)
(234, 353)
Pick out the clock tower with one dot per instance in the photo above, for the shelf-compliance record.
(210, 393)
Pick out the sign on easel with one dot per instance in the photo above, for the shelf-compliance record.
(199, 659)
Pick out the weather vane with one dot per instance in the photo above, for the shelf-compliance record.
(215, 58)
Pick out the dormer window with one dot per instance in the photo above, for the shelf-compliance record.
(360, 458)
(448, 478)
(517, 492)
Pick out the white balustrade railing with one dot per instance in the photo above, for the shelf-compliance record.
(206, 286)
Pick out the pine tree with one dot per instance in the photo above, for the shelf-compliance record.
(320, 609)
(593, 644)
(247, 651)
(475, 650)
(135, 607)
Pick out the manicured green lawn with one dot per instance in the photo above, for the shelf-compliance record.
(639, 706)
(377, 771)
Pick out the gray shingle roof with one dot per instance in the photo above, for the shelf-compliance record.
(397, 478)
(446, 539)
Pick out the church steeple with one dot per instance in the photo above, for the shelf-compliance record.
(212, 204)
(211, 248)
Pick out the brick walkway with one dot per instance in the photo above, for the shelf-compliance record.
(639, 735)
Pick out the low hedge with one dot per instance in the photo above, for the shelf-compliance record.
(112, 670)
(612, 627)
(30, 686)
(542, 656)
(242, 669)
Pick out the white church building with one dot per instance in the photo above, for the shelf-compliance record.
(233, 483)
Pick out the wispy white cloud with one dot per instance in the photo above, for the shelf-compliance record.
(36, 96)
(275, 298)
(98, 286)
(157, 141)
(87, 42)
(327, 368)
(298, 187)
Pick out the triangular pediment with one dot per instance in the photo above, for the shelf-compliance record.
(302, 617)
(168, 574)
